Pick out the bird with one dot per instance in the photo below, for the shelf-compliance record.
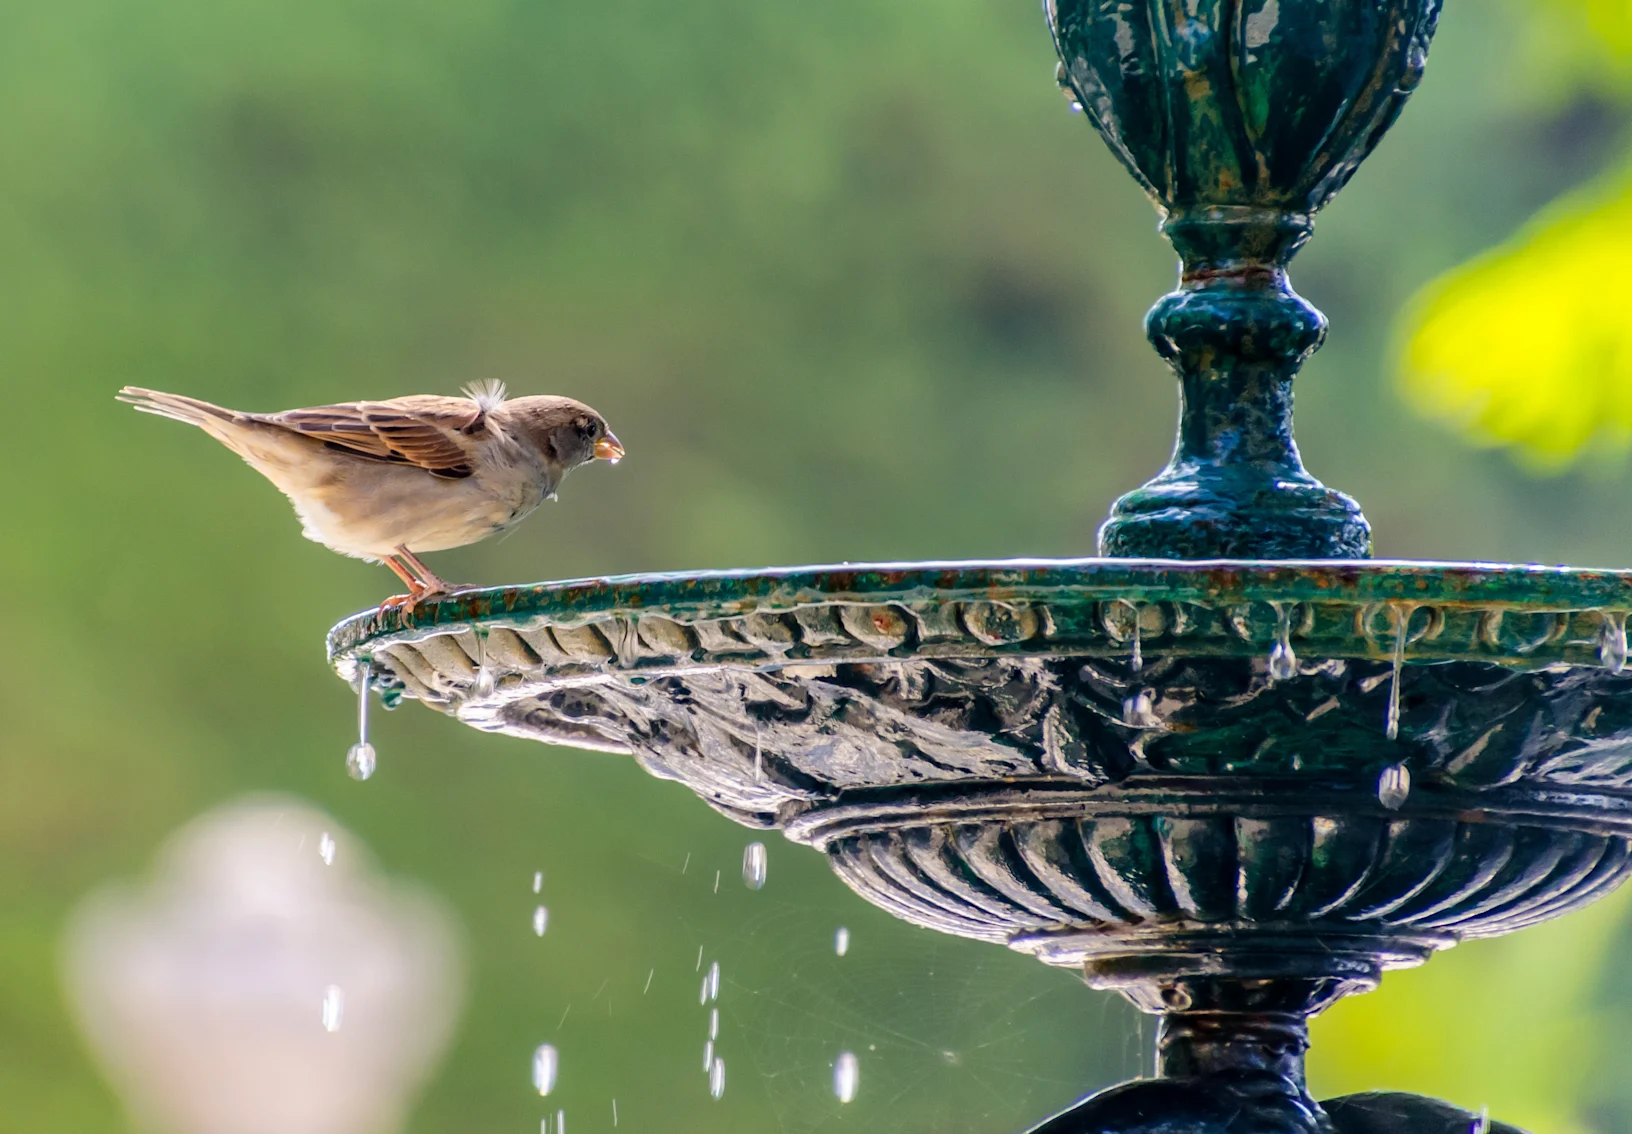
(385, 481)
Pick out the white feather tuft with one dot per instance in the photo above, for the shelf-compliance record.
(488, 394)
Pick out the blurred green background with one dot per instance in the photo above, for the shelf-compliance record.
(850, 283)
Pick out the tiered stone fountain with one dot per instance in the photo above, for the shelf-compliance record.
(1235, 768)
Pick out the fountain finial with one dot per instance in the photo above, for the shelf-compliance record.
(1240, 120)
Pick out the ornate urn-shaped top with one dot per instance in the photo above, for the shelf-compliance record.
(1240, 119)
(1245, 104)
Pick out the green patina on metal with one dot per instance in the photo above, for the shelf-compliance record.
(1532, 590)
(1240, 120)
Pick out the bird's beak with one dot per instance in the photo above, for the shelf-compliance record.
(609, 448)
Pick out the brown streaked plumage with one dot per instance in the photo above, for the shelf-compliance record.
(386, 480)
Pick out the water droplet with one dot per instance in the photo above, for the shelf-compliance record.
(1402, 626)
(1136, 657)
(614, 1112)
(846, 1075)
(1283, 663)
(714, 981)
(485, 682)
(753, 866)
(1393, 786)
(708, 1057)
(1612, 641)
(360, 761)
(1139, 711)
(716, 1078)
(546, 1062)
(538, 881)
(560, 1122)
(541, 920)
(717, 881)
(702, 995)
(325, 848)
(841, 941)
(1481, 1125)
(713, 1023)
(334, 1007)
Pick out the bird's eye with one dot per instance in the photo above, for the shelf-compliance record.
(590, 428)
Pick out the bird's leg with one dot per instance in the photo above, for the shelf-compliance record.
(432, 583)
(416, 588)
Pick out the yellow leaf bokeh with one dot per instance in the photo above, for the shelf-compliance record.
(1530, 345)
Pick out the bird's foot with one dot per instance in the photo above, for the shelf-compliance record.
(400, 603)
(408, 605)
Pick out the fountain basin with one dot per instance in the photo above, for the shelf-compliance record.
(1159, 771)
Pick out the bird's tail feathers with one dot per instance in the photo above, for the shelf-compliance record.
(177, 407)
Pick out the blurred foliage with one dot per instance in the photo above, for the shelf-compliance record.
(1530, 345)
(850, 283)
(1509, 1024)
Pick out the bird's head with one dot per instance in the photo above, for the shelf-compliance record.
(566, 431)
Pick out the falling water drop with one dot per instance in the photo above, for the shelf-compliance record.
(708, 1057)
(846, 1075)
(1394, 786)
(360, 759)
(714, 981)
(753, 866)
(614, 1112)
(560, 1122)
(841, 941)
(485, 682)
(1136, 658)
(334, 1007)
(716, 1078)
(541, 920)
(1283, 663)
(325, 848)
(546, 1062)
(538, 881)
(713, 1023)
(1612, 642)
(1401, 628)
(1481, 1125)
(702, 995)
(1139, 711)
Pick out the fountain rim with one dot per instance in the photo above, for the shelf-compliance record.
(708, 594)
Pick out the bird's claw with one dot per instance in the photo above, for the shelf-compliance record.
(400, 603)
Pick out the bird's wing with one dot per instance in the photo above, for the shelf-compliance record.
(429, 431)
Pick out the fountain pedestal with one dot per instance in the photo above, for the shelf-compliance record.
(1235, 769)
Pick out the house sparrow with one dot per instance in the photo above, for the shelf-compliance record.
(383, 481)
